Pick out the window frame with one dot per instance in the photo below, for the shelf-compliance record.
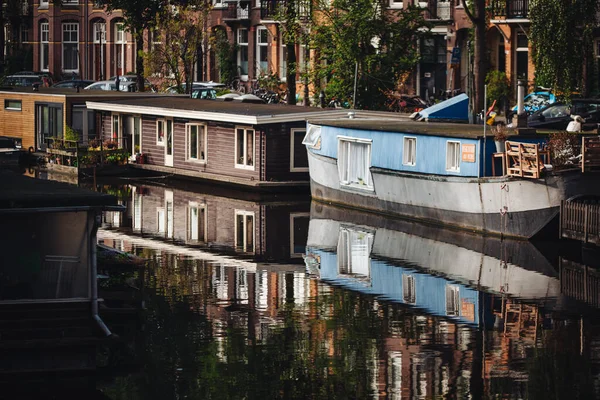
(396, 4)
(293, 217)
(118, 118)
(406, 156)
(240, 44)
(162, 121)
(259, 45)
(293, 132)
(199, 206)
(347, 184)
(8, 107)
(245, 214)
(63, 42)
(44, 41)
(236, 156)
(188, 132)
(99, 30)
(457, 158)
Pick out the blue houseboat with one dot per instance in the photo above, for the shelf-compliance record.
(451, 278)
(440, 173)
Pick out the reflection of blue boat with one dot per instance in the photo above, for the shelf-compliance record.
(446, 273)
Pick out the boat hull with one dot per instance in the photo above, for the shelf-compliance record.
(500, 205)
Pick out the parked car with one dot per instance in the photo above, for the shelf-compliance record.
(47, 77)
(196, 85)
(149, 87)
(73, 83)
(110, 85)
(11, 152)
(534, 102)
(558, 115)
(204, 93)
(23, 80)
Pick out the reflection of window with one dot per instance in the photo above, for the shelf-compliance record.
(242, 41)
(409, 293)
(44, 45)
(220, 282)
(354, 249)
(137, 209)
(196, 139)
(395, 375)
(452, 300)
(160, 220)
(197, 223)
(556, 111)
(283, 62)
(298, 234)
(244, 148)
(170, 213)
(70, 45)
(453, 156)
(242, 286)
(262, 290)
(262, 49)
(244, 231)
(409, 154)
(354, 162)
(298, 156)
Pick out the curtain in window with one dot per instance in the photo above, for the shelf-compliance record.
(358, 171)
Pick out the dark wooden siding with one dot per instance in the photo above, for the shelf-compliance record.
(278, 148)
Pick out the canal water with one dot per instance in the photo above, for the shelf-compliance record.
(247, 296)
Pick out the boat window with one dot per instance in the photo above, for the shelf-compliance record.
(244, 148)
(409, 152)
(12, 105)
(452, 300)
(353, 251)
(196, 142)
(354, 163)
(313, 136)
(453, 156)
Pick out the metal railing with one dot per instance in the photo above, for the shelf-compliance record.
(510, 9)
(238, 10)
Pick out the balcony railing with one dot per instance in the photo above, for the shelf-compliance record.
(238, 10)
(510, 9)
(440, 10)
(270, 8)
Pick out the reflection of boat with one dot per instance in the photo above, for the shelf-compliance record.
(444, 272)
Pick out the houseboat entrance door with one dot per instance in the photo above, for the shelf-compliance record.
(169, 144)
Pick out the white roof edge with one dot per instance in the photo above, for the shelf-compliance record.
(511, 21)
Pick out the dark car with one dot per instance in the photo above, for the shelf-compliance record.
(23, 80)
(558, 115)
(11, 152)
(81, 83)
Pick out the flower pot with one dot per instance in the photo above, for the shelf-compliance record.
(499, 146)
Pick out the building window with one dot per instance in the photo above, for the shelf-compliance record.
(396, 4)
(70, 46)
(196, 222)
(44, 45)
(161, 127)
(137, 135)
(242, 41)
(244, 148)
(354, 162)
(120, 44)
(14, 105)
(313, 136)
(452, 300)
(262, 50)
(303, 58)
(409, 293)
(298, 155)
(116, 128)
(244, 231)
(409, 153)
(100, 32)
(453, 156)
(44, 3)
(353, 251)
(196, 140)
(283, 62)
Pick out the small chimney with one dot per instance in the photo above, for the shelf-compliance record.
(351, 115)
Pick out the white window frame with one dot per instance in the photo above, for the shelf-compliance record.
(409, 159)
(449, 166)
(341, 163)
(259, 44)
(44, 3)
(283, 61)
(245, 214)
(188, 131)
(161, 223)
(245, 156)
(44, 40)
(243, 77)
(140, 126)
(293, 132)
(198, 206)
(293, 217)
(65, 27)
(163, 121)
(99, 32)
(354, 254)
(396, 4)
(117, 117)
(313, 136)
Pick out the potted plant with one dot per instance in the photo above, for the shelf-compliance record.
(500, 136)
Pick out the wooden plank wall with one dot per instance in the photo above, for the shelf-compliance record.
(580, 221)
(278, 146)
(21, 124)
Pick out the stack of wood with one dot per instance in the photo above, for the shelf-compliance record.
(590, 153)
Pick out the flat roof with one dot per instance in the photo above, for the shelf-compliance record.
(72, 92)
(215, 110)
(19, 191)
(405, 126)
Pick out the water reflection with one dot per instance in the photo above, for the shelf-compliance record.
(379, 309)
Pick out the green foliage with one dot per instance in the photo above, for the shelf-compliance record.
(383, 44)
(71, 134)
(269, 81)
(225, 52)
(498, 88)
(561, 42)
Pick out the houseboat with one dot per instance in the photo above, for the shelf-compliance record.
(447, 273)
(440, 173)
(254, 145)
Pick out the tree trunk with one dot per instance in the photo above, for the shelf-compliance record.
(291, 73)
(139, 59)
(480, 60)
(2, 38)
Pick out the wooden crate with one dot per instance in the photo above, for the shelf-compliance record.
(523, 160)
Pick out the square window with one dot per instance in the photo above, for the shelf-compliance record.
(196, 140)
(409, 152)
(298, 155)
(354, 163)
(453, 156)
(14, 105)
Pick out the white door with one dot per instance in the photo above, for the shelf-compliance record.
(169, 143)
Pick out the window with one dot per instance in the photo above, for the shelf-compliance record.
(12, 105)
(160, 220)
(120, 30)
(137, 135)
(49, 119)
(283, 62)
(163, 126)
(219, 3)
(262, 50)
(242, 41)
(452, 300)
(313, 136)
(453, 156)
(396, 4)
(44, 45)
(244, 148)
(196, 222)
(353, 251)
(409, 293)
(298, 234)
(395, 375)
(99, 32)
(298, 156)
(303, 58)
(70, 45)
(196, 140)
(354, 162)
(409, 153)
(120, 44)
(116, 125)
(244, 231)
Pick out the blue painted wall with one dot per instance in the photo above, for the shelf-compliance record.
(386, 283)
(387, 148)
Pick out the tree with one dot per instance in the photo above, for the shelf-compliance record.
(480, 67)
(139, 15)
(360, 35)
(561, 36)
(182, 28)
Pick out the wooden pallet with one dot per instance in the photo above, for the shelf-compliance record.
(523, 159)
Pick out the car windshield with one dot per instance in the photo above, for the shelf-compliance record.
(209, 94)
(22, 80)
(561, 110)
